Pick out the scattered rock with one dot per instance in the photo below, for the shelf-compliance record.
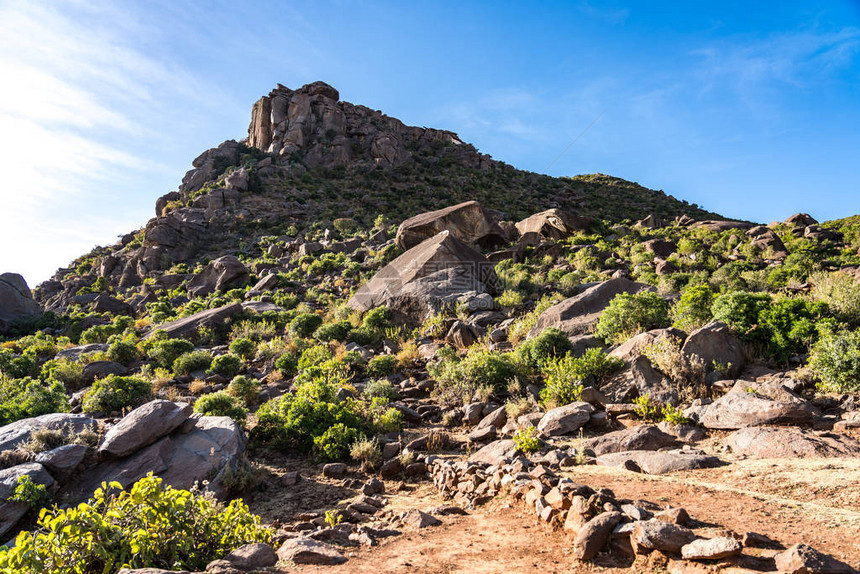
(594, 535)
(715, 344)
(659, 462)
(219, 275)
(143, 426)
(12, 512)
(309, 551)
(468, 222)
(565, 420)
(16, 301)
(553, 224)
(659, 535)
(20, 431)
(417, 519)
(209, 319)
(641, 437)
(252, 557)
(790, 442)
(740, 408)
(711, 549)
(803, 559)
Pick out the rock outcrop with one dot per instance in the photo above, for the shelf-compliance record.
(16, 301)
(553, 224)
(468, 222)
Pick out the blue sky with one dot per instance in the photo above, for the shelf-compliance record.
(748, 109)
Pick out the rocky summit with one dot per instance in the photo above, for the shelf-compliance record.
(343, 330)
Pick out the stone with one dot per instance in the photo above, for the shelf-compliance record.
(415, 518)
(373, 486)
(495, 452)
(252, 557)
(309, 551)
(461, 335)
(422, 281)
(740, 408)
(390, 469)
(210, 319)
(335, 470)
(12, 512)
(20, 431)
(660, 247)
(496, 418)
(763, 238)
(594, 535)
(641, 437)
(722, 225)
(790, 442)
(711, 548)
(803, 559)
(658, 462)
(801, 220)
(553, 224)
(468, 222)
(16, 301)
(659, 535)
(219, 275)
(715, 343)
(62, 459)
(674, 515)
(580, 313)
(143, 426)
(566, 419)
(101, 369)
(104, 303)
(75, 353)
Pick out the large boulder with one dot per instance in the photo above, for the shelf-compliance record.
(641, 437)
(209, 318)
(790, 442)
(12, 512)
(437, 273)
(553, 224)
(143, 426)
(637, 379)
(578, 314)
(220, 275)
(594, 535)
(565, 419)
(16, 301)
(716, 344)
(803, 559)
(750, 404)
(659, 462)
(764, 238)
(495, 452)
(722, 225)
(206, 452)
(468, 222)
(310, 551)
(21, 431)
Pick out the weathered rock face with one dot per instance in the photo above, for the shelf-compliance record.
(220, 275)
(20, 431)
(143, 426)
(789, 442)
(16, 301)
(177, 236)
(659, 462)
(209, 165)
(747, 405)
(553, 224)
(209, 318)
(566, 419)
(577, 315)
(312, 123)
(721, 225)
(764, 238)
(468, 222)
(495, 452)
(715, 343)
(801, 220)
(803, 559)
(12, 512)
(642, 437)
(438, 272)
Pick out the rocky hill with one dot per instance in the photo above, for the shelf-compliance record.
(362, 329)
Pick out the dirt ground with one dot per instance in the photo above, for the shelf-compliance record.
(816, 502)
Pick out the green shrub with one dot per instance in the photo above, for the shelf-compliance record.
(793, 326)
(245, 348)
(333, 331)
(511, 299)
(565, 376)
(740, 311)
(646, 409)
(335, 442)
(550, 343)
(13, 366)
(479, 368)
(840, 292)
(382, 365)
(228, 366)
(189, 362)
(305, 324)
(314, 356)
(114, 393)
(123, 352)
(33, 494)
(70, 373)
(385, 419)
(693, 309)
(221, 404)
(149, 525)
(24, 398)
(527, 440)
(380, 388)
(165, 352)
(363, 336)
(287, 364)
(629, 314)
(377, 319)
(97, 334)
(835, 360)
(247, 389)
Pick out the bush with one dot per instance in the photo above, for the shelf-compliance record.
(835, 360)
(123, 352)
(740, 311)
(228, 366)
(459, 379)
(70, 373)
(287, 364)
(366, 451)
(114, 393)
(150, 525)
(551, 343)
(245, 348)
(627, 315)
(792, 326)
(194, 361)
(221, 404)
(565, 376)
(386, 420)
(333, 331)
(17, 367)
(693, 309)
(380, 388)
(335, 442)
(305, 324)
(24, 398)
(166, 351)
(382, 365)
(511, 299)
(527, 440)
(247, 389)
(840, 292)
(377, 319)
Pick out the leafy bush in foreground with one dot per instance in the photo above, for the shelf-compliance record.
(836, 361)
(114, 393)
(629, 314)
(147, 526)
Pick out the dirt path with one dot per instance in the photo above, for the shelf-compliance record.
(815, 502)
